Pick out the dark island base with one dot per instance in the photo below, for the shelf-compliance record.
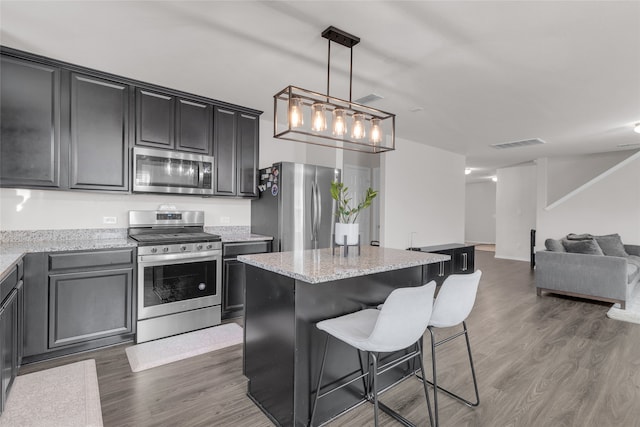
(283, 348)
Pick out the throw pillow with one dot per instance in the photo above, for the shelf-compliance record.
(611, 245)
(589, 247)
(573, 236)
(554, 245)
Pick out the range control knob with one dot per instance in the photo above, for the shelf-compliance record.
(199, 247)
(209, 246)
(183, 248)
(165, 249)
(154, 250)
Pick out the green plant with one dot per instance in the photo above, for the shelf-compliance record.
(345, 213)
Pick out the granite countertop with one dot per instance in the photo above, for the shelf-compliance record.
(11, 253)
(318, 266)
(243, 237)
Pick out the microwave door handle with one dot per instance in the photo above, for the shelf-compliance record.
(200, 174)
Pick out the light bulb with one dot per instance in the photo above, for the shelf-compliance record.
(339, 122)
(358, 131)
(295, 112)
(637, 128)
(376, 132)
(467, 171)
(318, 117)
(494, 179)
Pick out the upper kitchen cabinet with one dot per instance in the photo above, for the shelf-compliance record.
(235, 152)
(99, 133)
(30, 124)
(167, 121)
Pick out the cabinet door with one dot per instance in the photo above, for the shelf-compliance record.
(99, 134)
(248, 155)
(193, 127)
(224, 151)
(437, 271)
(89, 305)
(154, 119)
(29, 124)
(8, 345)
(233, 286)
(463, 260)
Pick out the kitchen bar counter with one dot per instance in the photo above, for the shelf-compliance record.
(243, 237)
(319, 266)
(286, 294)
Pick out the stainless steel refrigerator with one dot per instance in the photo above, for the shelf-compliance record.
(295, 206)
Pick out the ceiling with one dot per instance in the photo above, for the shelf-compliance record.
(459, 75)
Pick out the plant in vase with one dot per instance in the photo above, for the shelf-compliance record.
(347, 214)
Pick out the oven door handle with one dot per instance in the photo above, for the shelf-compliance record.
(165, 258)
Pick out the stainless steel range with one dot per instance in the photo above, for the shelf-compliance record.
(179, 273)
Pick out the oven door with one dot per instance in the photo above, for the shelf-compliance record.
(175, 283)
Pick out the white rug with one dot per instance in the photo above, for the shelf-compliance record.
(66, 396)
(631, 313)
(160, 352)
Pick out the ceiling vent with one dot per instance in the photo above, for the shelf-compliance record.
(517, 144)
(369, 98)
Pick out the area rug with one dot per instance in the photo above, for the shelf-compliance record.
(631, 313)
(160, 352)
(66, 396)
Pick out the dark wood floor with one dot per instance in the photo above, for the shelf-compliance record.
(540, 361)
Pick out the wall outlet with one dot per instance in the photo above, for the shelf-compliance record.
(109, 220)
(225, 220)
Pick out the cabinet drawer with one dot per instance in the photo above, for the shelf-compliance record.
(73, 260)
(232, 249)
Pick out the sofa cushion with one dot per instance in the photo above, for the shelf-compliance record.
(589, 247)
(634, 259)
(611, 245)
(554, 245)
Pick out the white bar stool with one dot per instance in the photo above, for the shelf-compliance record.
(452, 306)
(399, 324)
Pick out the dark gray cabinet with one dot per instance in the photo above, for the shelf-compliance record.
(233, 278)
(11, 312)
(29, 124)
(77, 301)
(99, 134)
(154, 119)
(235, 151)
(85, 306)
(462, 261)
(164, 120)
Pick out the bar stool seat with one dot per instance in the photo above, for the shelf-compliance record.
(398, 325)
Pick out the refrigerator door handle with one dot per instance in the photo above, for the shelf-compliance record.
(313, 211)
(319, 215)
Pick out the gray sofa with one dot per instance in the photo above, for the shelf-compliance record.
(593, 275)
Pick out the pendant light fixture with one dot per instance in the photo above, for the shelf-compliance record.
(315, 118)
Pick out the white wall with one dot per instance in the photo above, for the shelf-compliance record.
(515, 211)
(422, 192)
(47, 209)
(565, 174)
(610, 205)
(480, 212)
(278, 150)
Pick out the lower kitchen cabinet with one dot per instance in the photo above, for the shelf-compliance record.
(78, 301)
(233, 274)
(462, 261)
(11, 312)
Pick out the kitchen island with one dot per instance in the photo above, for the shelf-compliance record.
(287, 293)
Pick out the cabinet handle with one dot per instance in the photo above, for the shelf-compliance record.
(464, 261)
(441, 272)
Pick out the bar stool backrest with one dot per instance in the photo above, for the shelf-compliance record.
(403, 319)
(455, 299)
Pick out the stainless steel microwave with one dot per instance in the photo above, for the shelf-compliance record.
(166, 171)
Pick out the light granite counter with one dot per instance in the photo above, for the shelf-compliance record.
(318, 266)
(244, 237)
(12, 252)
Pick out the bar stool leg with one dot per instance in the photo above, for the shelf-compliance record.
(374, 377)
(473, 371)
(424, 382)
(435, 382)
(324, 358)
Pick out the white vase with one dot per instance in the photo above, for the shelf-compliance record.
(350, 230)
